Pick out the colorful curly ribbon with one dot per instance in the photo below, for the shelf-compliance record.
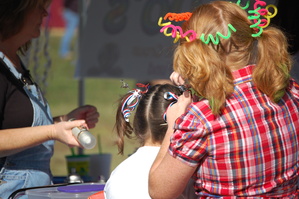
(176, 32)
(260, 24)
(269, 15)
(178, 16)
(131, 102)
(190, 35)
(216, 40)
(162, 24)
(245, 7)
(257, 20)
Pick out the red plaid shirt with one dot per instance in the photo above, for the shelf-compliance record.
(251, 150)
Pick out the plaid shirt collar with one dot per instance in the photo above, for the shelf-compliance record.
(243, 75)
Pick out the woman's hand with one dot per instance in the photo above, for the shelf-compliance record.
(179, 108)
(177, 79)
(88, 113)
(62, 132)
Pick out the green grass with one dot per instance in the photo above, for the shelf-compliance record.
(62, 93)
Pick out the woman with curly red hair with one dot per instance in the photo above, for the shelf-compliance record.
(241, 139)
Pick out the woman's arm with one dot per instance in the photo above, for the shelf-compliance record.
(169, 176)
(15, 140)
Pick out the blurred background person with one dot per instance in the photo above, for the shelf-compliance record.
(71, 18)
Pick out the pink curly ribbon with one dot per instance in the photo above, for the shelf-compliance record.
(177, 32)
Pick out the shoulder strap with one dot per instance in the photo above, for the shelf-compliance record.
(6, 72)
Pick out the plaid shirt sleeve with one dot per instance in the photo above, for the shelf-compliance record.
(189, 141)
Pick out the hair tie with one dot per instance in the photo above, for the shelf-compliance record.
(171, 97)
(131, 102)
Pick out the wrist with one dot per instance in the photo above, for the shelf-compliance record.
(63, 118)
(170, 131)
(52, 132)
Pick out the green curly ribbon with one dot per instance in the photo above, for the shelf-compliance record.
(216, 40)
(256, 25)
(245, 7)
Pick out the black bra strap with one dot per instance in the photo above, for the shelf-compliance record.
(6, 71)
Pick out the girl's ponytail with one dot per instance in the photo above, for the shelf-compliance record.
(122, 127)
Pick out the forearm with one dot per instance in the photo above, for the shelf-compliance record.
(168, 176)
(15, 140)
(173, 113)
(163, 149)
(156, 186)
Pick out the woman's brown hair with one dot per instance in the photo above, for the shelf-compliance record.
(12, 15)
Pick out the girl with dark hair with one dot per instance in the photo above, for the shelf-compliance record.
(130, 178)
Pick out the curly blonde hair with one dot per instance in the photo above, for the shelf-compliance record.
(208, 67)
